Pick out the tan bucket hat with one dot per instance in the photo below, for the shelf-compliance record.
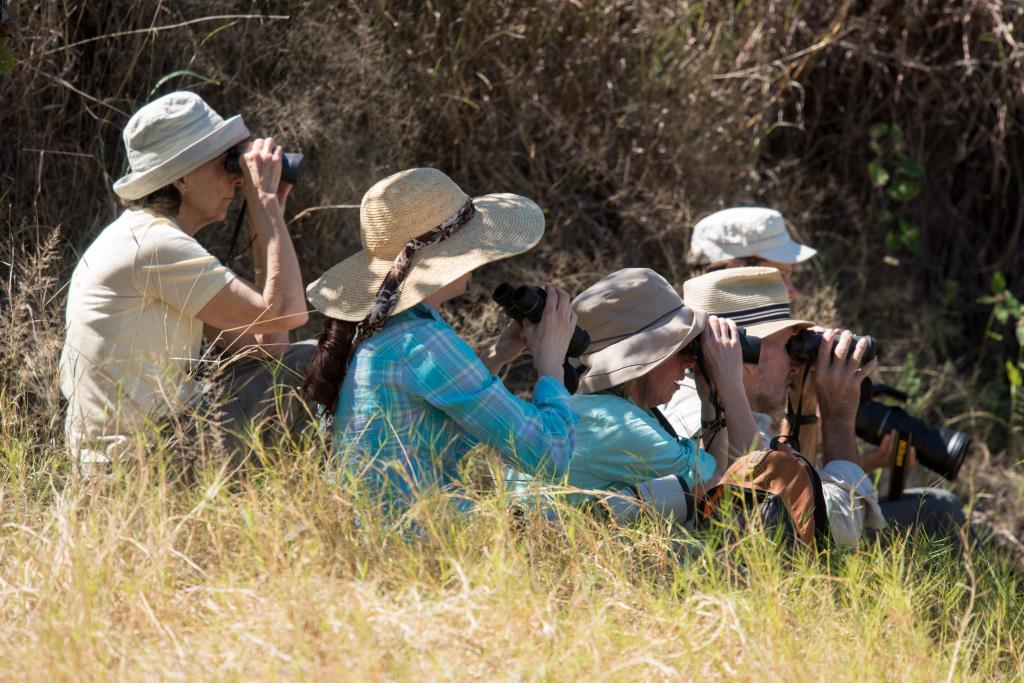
(636, 319)
(745, 231)
(171, 136)
(404, 206)
(755, 298)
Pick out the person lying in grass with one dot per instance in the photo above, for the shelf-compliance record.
(145, 292)
(642, 342)
(408, 396)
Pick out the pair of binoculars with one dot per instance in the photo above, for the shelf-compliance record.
(527, 302)
(291, 165)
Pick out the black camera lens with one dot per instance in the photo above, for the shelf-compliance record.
(939, 449)
(804, 345)
(291, 165)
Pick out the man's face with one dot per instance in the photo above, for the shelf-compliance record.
(766, 383)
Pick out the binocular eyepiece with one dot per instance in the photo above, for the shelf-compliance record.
(527, 302)
(291, 165)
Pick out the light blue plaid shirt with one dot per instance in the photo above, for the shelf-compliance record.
(417, 398)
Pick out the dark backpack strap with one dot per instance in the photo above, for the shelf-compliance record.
(666, 425)
(822, 531)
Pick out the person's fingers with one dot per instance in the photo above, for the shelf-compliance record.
(551, 304)
(269, 145)
(731, 333)
(824, 352)
(843, 345)
(564, 307)
(866, 370)
(278, 152)
(860, 350)
(912, 458)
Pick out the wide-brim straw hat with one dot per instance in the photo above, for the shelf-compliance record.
(171, 136)
(742, 232)
(404, 206)
(636, 319)
(755, 298)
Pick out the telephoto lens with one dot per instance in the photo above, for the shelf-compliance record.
(291, 165)
(939, 449)
(803, 346)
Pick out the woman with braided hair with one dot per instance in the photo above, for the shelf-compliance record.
(408, 396)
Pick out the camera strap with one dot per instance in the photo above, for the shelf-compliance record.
(709, 430)
(797, 418)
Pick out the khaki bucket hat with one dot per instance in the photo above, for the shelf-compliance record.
(636, 319)
(404, 206)
(171, 136)
(745, 231)
(755, 298)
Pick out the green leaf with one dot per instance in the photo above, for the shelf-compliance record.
(892, 241)
(1001, 313)
(1013, 304)
(1013, 374)
(998, 282)
(6, 61)
(992, 334)
(895, 133)
(910, 168)
(879, 176)
(903, 190)
(1020, 332)
(878, 130)
(875, 148)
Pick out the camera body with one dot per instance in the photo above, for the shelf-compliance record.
(291, 165)
(527, 302)
(803, 346)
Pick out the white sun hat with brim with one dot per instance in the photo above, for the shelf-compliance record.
(636, 320)
(404, 206)
(755, 298)
(743, 232)
(171, 136)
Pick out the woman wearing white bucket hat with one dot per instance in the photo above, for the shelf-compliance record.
(145, 291)
(642, 338)
(408, 396)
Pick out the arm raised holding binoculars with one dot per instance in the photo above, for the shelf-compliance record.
(261, 315)
(720, 347)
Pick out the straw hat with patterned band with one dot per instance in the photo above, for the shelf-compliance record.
(636, 320)
(419, 225)
(754, 297)
(742, 232)
(171, 136)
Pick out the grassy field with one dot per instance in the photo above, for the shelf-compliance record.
(889, 133)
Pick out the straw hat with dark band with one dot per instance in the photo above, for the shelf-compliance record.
(403, 207)
(755, 298)
(635, 320)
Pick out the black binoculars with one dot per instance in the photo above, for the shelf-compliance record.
(750, 347)
(291, 165)
(803, 346)
(527, 302)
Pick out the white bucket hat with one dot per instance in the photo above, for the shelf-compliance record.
(742, 232)
(404, 206)
(636, 319)
(171, 136)
(755, 298)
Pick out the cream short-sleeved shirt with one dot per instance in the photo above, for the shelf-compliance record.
(132, 334)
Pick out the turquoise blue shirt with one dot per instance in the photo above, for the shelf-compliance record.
(416, 398)
(620, 444)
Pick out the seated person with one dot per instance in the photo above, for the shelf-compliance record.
(641, 343)
(747, 236)
(145, 291)
(408, 396)
(731, 238)
(757, 299)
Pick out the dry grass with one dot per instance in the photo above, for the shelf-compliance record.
(626, 121)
